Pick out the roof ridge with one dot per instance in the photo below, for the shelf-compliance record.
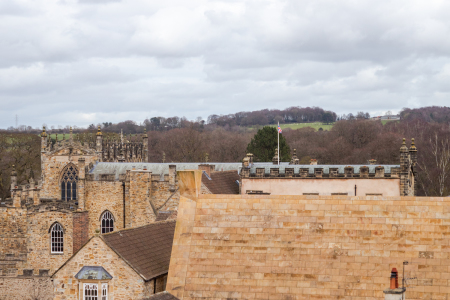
(138, 227)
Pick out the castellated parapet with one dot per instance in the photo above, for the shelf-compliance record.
(291, 178)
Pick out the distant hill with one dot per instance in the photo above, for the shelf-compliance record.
(431, 114)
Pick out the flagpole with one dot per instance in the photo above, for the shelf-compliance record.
(278, 144)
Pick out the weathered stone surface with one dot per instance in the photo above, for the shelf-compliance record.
(309, 247)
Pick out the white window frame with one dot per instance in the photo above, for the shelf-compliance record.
(107, 215)
(52, 241)
(84, 291)
(104, 291)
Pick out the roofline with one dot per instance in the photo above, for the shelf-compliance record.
(107, 244)
(123, 258)
(73, 255)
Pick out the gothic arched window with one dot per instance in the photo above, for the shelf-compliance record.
(69, 183)
(107, 220)
(57, 238)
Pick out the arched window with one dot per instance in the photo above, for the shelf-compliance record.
(107, 222)
(69, 183)
(57, 238)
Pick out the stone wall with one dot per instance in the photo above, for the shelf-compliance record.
(39, 251)
(13, 240)
(141, 212)
(160, 196)
(309, 247)
(26, 288)
(52, 165)
(125, 283)
(102, 196)
(323, 186)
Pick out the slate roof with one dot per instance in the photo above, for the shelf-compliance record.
(146, 249)
(162, 296)
(222, 182)
(155, 168)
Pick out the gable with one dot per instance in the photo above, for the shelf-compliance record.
(96, 253)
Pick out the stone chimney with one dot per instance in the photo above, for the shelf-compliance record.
(313, 162)
(207, 168)
(372, 162)
(394, 292)
(172, 177)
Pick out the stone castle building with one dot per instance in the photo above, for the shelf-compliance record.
(89, 189)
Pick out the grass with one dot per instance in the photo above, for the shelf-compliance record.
(385, 121)
(315, 125)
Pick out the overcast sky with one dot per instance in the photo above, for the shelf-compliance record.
(77, 62)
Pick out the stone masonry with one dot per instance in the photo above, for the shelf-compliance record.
(308, 247)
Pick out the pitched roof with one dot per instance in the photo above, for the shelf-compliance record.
(162, 296)
(222, 182)
(146, 249)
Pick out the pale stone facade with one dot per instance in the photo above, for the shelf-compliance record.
(308, 247)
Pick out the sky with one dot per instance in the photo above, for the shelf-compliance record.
(77, 62)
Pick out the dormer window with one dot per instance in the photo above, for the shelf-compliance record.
(94, 281)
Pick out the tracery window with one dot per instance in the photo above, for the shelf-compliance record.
(57, 239)
(69, 183)
(107, 222)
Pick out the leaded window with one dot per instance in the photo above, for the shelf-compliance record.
(104, 291)
(57, 238)
(69, 183)
(107, 222)
(90, 291)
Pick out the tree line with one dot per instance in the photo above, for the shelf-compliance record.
(350, 141)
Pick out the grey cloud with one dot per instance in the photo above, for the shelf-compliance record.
(81, 62)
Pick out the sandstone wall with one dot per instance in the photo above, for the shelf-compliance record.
(102, 196)
(25, 288)
(160, 195)
(13, 240)
(39, 251)
(140, 210)
(309, 247)
(324, 186)
(52, 166)
(125, 284)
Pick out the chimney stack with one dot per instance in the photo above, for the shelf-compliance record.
(394, 292)
(313, 162)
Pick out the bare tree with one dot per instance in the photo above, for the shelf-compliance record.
(438, 174)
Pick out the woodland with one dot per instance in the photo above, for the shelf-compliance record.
(352, 140)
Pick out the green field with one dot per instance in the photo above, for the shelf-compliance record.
(386, 121)
(315, 125)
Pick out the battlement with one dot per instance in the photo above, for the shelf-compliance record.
(265, 170)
